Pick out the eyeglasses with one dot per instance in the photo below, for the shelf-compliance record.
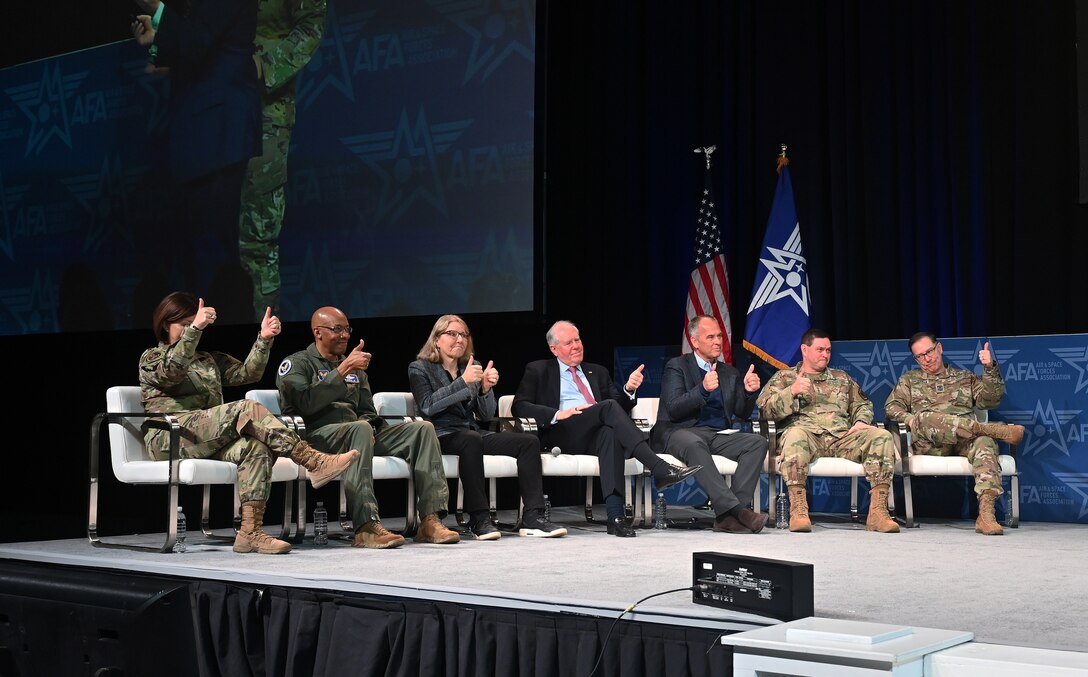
(337, 329)
(463, 335)
(921, 356)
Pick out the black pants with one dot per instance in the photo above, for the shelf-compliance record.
(470, 446)
(606, 430)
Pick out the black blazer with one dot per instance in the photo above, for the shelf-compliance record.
(682, 398)
(450, 406)
(215, 97)
(538, 393)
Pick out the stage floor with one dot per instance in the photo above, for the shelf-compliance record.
(1025, 588)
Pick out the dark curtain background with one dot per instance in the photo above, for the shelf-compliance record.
(934, 163)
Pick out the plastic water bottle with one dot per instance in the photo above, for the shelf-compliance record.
(179, 542)
(781, 509)
(321, 524)
(659, 512)
(547, 509)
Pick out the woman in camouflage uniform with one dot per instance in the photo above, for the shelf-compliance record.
(177, 379)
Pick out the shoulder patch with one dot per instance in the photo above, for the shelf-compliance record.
(351, 378)
(321, 374)
(285, 367)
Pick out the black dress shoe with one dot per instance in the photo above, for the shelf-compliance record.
(617, 526)
(729, 524)
(675, 473)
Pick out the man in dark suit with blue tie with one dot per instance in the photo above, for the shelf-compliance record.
(207, 47)
(701, 396)
(578, 407)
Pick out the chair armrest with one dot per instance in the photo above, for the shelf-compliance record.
(901, 431)
(519, 424)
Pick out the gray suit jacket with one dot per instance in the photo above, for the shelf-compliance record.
(683, 398)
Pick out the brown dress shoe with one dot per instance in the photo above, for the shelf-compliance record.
(729, 524)
(752, 520)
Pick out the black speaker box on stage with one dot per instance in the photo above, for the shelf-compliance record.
(60, 621)
(756, 585)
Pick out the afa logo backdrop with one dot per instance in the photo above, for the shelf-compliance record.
(1046, 391)
(410, 189)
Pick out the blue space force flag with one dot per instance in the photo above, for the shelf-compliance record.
(779, 311)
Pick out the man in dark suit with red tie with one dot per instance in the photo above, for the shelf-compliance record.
(577, 407)
(701, 396)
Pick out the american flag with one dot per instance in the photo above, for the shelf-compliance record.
(708, 290)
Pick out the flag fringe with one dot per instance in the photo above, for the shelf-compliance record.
(766, 357)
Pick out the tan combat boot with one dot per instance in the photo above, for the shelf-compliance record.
(1006, 432)
(431, 530)
(986, 522)
(374, 535)
(251, 538)
(799, 520)
(879, 519)
(322, 468)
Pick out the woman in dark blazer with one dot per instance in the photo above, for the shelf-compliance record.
(456, 394)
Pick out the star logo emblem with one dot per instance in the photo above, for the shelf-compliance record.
(405, 159)
(968, 359)
(1042, 427)
(786, 275)
(45, 104)
(328, 66)
(1078, 359)
(498, 30)
(104, 196)
(878, 368)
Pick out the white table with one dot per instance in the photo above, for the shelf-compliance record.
(827, 647)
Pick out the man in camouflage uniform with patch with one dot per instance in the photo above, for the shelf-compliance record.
(330, 390)
(823, 412)
(937, 403)
(288, 33)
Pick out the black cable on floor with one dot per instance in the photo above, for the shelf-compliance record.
(608, 635)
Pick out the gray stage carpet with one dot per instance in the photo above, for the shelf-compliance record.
(1026, 588)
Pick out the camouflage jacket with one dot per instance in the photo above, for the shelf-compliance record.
(176, 378)
(311, 387)
(835, 404)
(288, 33)
(953, 391)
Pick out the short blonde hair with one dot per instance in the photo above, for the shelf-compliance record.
(429, 351)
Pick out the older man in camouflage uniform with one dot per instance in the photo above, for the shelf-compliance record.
(288, 33)
(937, 402)
(823, 412)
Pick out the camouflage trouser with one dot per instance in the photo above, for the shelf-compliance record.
(263, 201)
(936, 434)
(242, 432)
(415, 442)
(872, 447)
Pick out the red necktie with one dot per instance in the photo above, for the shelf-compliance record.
(582, 386)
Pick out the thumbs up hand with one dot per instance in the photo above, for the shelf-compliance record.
(710, 381)
(985, 356)
(751, 379)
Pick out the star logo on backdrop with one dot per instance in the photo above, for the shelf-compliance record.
(968, 359)
(1042, 427)
(786, 275)
(104, 196)
(328, 67)
(879, 367)
(34, 308)
(497, 29)
(9, 197)
(1078, 482)
(45, 103)
(1078, 359)
(405, 159)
